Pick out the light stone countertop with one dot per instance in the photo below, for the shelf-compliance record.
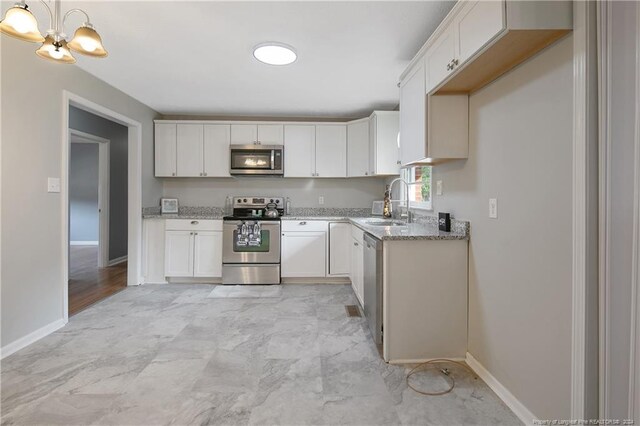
(411, 231)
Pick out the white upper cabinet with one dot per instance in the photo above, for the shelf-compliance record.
(331, 150)
(190, 138)
(358, 148)
(440, 58)
(270, 134)
(265, 134)
(477, 23)
(165, 149)
(244, 134)
(216, 150)
(413, 116)
(383, 139)
(299, 150)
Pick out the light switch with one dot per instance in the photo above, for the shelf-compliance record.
(53, 184)
(493, 208)
(439, 187)
(321, 200)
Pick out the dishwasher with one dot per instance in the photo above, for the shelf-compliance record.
(373, 285)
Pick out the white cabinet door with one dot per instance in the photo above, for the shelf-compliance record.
(357, 273)
(189, 150)
(339, 248)
(385, 152)
(207, 260)
(299, 152)
(476, 24)
(331, 150)
(413, 102)
(165, 149)
(358, 149)
(303, 254)
(244, 134)
(270, 134)
(216, 150)
(439, 58)
(178, 254)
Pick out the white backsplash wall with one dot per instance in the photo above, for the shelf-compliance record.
(352, 192)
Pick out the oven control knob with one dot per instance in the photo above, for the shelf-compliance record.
(244, 201)
(277, 201)
(271, 200)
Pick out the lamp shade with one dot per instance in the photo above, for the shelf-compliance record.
(87, 41)
(20, 23)
(55, 51)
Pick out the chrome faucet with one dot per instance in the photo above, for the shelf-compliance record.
(409, 215)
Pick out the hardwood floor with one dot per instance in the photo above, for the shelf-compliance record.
(89, 284)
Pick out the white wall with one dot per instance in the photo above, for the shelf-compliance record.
(31, 244)
(356, 192)
(83, 192)
(520, 264)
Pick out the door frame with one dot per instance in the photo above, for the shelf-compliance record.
(104, 161)
(134, 188)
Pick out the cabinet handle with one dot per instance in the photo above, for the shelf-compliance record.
(194, 222)
(455, 62)
(355, 244)
(195, 233)
(190, 233)
(302, 223)
(366, 173)
(173, 174)
(204, 174)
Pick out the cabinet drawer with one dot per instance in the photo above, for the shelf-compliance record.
(193, 225)
(305, 225)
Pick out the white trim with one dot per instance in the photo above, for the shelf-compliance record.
(104, 192)
(584, 280)
(634, 359)
(604, 202)
(421, 360)
(519, 409)
(117, 260)
(134, 245)
(83, 243)
(30, 338)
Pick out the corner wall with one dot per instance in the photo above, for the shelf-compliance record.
(31, 242)
(520, 264)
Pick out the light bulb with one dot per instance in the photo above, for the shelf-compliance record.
(88, 44)
(56, 53)
(21, 20)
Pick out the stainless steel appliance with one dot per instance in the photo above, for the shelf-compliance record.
(257, 160)
(373, 285)
(251, 241)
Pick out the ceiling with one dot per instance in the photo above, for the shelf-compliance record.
(195, 58)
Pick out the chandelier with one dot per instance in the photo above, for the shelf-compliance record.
(20, 23)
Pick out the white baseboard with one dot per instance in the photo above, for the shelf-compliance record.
(503, 393)
(421, 360)
(117, 260)
(83, 243)
(31, 338)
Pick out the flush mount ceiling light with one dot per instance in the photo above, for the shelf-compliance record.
(275, 53)
(20, 23)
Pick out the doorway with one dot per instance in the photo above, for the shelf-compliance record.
(97, 208)
(118, 251)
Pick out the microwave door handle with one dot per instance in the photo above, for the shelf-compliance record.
(273, 159)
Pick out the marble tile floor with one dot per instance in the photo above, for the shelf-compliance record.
(169, 355)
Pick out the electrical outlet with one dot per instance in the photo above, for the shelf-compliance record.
(493, 208)
(321, 200)
(53, 184)
(439, 187)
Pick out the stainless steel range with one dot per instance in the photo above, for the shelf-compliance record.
(251, 241)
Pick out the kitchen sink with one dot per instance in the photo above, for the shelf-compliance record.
(379, 222)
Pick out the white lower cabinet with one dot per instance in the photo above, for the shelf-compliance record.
(339, 248)
(193, 248)
(357, 263)
(207, 254)
(304, 254)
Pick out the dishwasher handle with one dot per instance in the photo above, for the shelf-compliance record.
(371, 241)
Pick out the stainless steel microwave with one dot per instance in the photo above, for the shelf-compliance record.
(257, 160)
